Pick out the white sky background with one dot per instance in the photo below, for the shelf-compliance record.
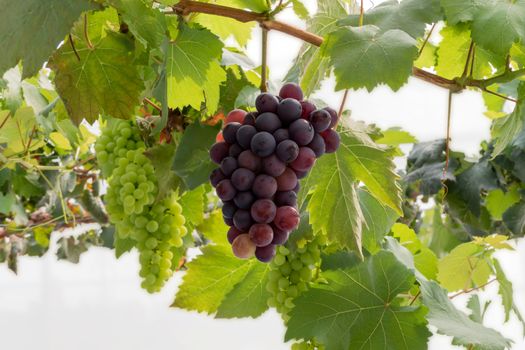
(98, 304)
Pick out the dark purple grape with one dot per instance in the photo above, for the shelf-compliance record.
(249, 119)
(320, 120)
(232, 234)
(333, 115)
(317, 145)
(287, 181)
(245, 135)
(229, 165)
(284, 198)
(263, 211)
(216, 176)
(265, 254)
(263, 144)
(249, 161)
(308, 108)
(280, 135)
(331, 139)
(242, 179)
(266, 102)
(305, 160)
(300, 174)
(242, 220)
(297, 187)
(228, 221)
(289, 110)
(279, 236)
(230, 131)
(244, 200)
(228, 210)
(287, 151)
(235, 150)
(302, 132)
(219, 151)
(261, 234)
(291, 90)
(287, 218)
(225, 190)
(273, 166)
(267, 122)
(264, 186)
(243, 247)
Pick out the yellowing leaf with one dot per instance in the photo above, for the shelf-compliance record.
(60, 141)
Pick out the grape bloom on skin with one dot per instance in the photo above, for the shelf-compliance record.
(261, 156)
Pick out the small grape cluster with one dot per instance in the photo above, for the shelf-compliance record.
(261, 156)
(156, 227)
(291, 271)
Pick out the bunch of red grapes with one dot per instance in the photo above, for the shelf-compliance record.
(261, 156)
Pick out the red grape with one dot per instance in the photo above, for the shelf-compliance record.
(265, 254)
(279, 236)
(308, 107)
(286, 218)
(225, 190)
(242, 179)
(291, 90)
(261, 234)
(263, 211)
(216, 176)
(287, 181)
(243, 247)
(317, 145)
(229, 165)
(320, 120)
(268, 122)
(331, 140)
(244, 200)
(264, 186)
(263, 144)
(232, 234)
(273, 166)
(228, 210)
(283, 198)
(305, 161)
(266, 102)
(250, 161)
(287, 151)
(237, 115)
(289, 110)
(242, 220)
(302, 132)
(219, 151)
(280, 135)
(245, 134)
(230, 131)
(333, 115)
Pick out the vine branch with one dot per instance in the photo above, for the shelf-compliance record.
(186, 7)
(264, 63)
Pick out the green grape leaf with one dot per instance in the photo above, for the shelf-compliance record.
(466, 266)
(161, 156)
(26, 184)
(506, 18)
(17, 130)
(33, 29)
(311, 66)
(367, 57)
(300, 10)
(505, 290)
(123, 245)
(514, 219)
(231, 89)
(192, 160)
(410, 16)
(377, 220)
(498, 202)
(105, 80)
(225, 27)
(428, 57)
(212, 276)
(395, 137)
(454, 49)
(357, 309)
(461, 10)
(450, 321)
(254, 5)
(249, 297)
(507, 129)
(214, 228)
(6, 202)
(443, 237)
(147, 24)
(192, 203)
(193, 71)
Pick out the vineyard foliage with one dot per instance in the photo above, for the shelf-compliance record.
(380, 251)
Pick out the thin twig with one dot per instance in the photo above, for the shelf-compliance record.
(341, 107)
(86, 34)
(500, 95)
(264, 59)
(447, 142)
(361, 13)
(73, 47)
(152, 104)
(415, 298)
(427, 38)
(472, 289)
(5, 120)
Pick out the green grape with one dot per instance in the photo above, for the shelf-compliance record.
(291, 272)
(156, 226)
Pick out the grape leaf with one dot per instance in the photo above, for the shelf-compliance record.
(192, 203)
(452, 322)
(395, 137)
(192, 160)
(506, 130)
(225, 27)
(17, 130)
(367, 57)
(461, 10)
(249, 297)
(506, 20)
(377, 220)
(505, 289)
(514, 219)
(300, 10)
(147, 24)
(6, 202)
(214, 228)
(498, 202)
(311, 67)
(192, 67)
(105, 80)
(357, 309)
(161, 156)
(410, 16)
(32, 30)
(211, 277)
(254, 5)
(467, 265)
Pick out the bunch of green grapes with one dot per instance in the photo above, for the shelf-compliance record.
(132, 205)
(291, 272)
